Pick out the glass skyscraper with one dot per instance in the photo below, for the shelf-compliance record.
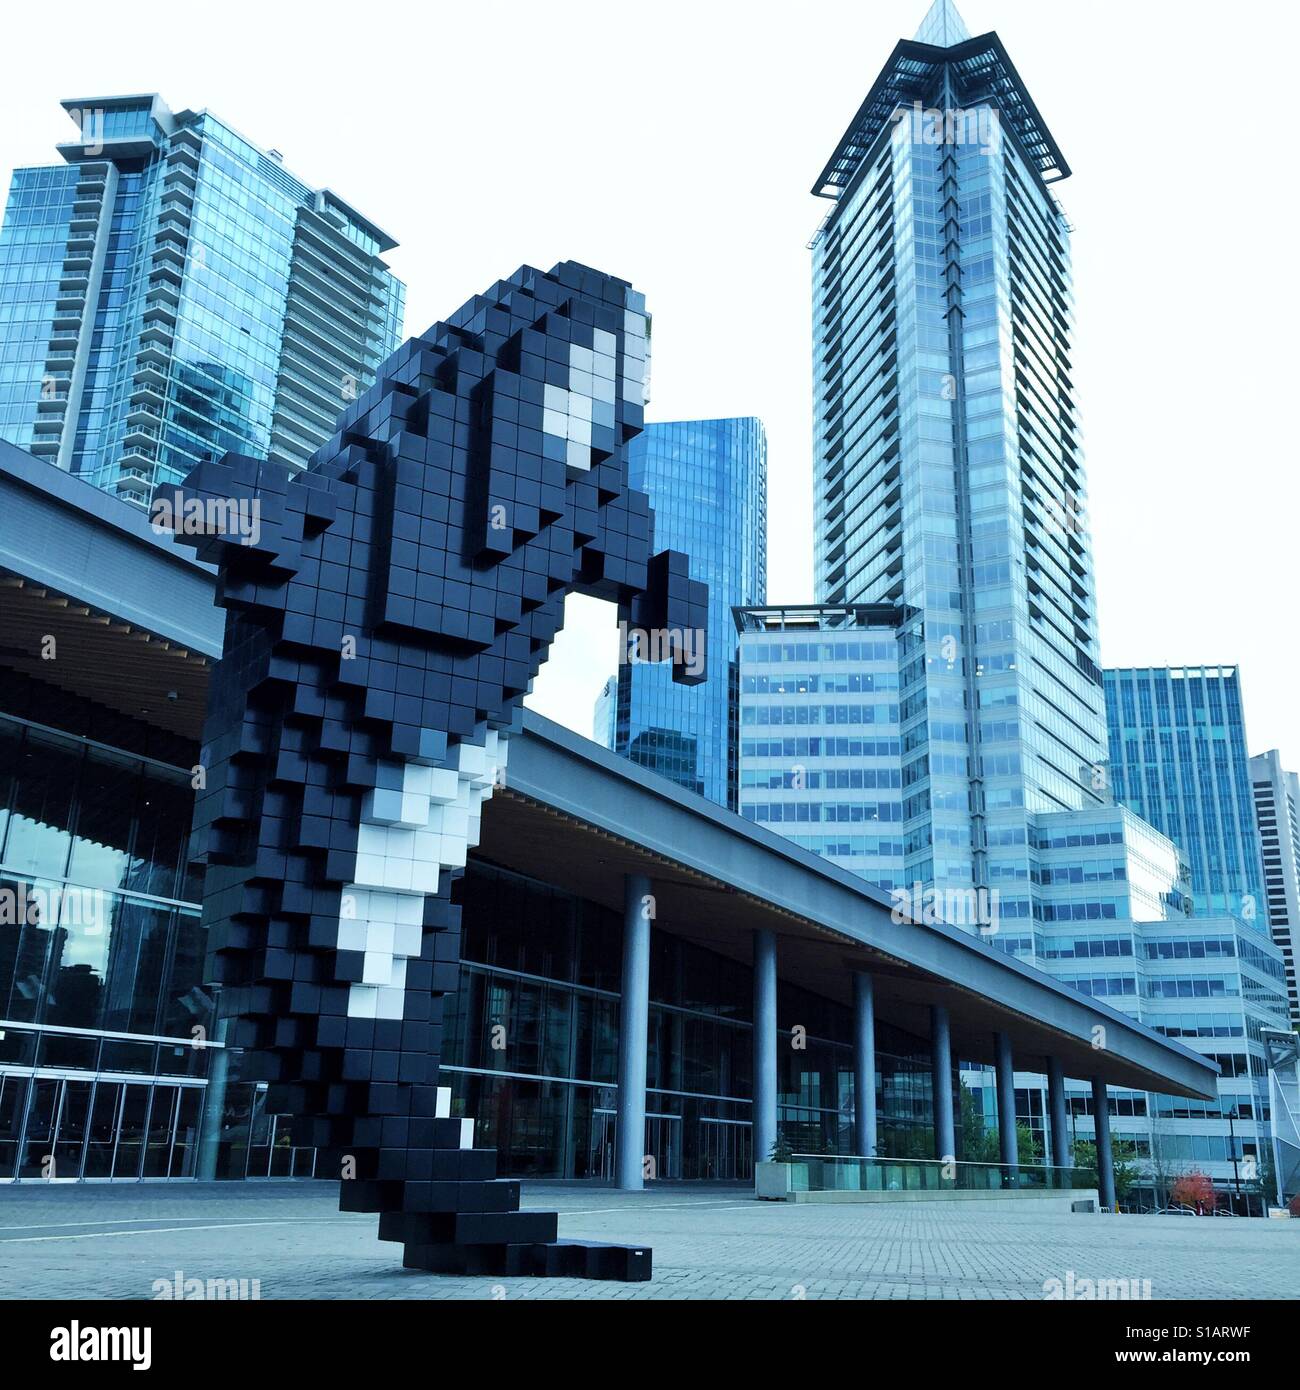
(950, 483)
(1277, 813)
(172, 292)
(707, 483)
(949, 473)
(1178, 758)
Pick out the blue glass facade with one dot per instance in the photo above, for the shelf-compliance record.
(1178, 757)
(33, 244)
(545, 965)
(1211, 976)
(949, 481)
(707, 483)
(949, 475)
(1277, 813)
(819, 743)
(174, 292)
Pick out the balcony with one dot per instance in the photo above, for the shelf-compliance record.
(159, 312)
(182, 156)
(164, 295)
(171, 233)
(148, 393)
(144, 460)
(54, 392)
(134, 485)
(151, 375)
(140, 436)
(154, 354)
(181, 179)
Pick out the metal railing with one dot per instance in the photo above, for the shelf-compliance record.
(840, 1173)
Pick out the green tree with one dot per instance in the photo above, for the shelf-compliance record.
(1029, 1147)
(1123, 1156)
(979, 1143)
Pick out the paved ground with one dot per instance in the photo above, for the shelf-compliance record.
(114, 1241)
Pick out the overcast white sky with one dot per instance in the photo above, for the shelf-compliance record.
(674, 144)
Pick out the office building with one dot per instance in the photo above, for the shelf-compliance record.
(948, 468)
(949, 481)
(1178, 758)
(1277, 814)
(171, 292)
(707, 484)
(819, 745)
(1216, 979)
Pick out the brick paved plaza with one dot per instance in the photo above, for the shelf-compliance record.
(114, 1241)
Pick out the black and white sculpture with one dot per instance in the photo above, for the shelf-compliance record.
(386, 614)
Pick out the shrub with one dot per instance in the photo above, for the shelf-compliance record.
(1293, 1206)
(782, 1149)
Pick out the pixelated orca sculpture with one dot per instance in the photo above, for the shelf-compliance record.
(387, 610)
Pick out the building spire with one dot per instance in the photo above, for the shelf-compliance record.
(942, 26)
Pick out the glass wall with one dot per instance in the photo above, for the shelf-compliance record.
(104, 1021)
(531, 1047)
(707, 484)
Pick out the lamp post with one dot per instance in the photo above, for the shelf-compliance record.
(1232, 1151)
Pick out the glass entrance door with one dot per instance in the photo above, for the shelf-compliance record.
(271, 1151)
(13, 1105)
(105, 1113)
(132, 1119)
(42, 1113)
(70, 1134)
(53, 1125)
(162, 1125)
(64, 1128)
(601, 1156)
(726, 1150)
(663, 1145)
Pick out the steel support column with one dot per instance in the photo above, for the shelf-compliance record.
(1105, 1160)
(945, 1145)
(864, 1065)
(633, 1033)
(765, 1044)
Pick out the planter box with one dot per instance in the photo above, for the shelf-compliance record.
(777, 1182)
